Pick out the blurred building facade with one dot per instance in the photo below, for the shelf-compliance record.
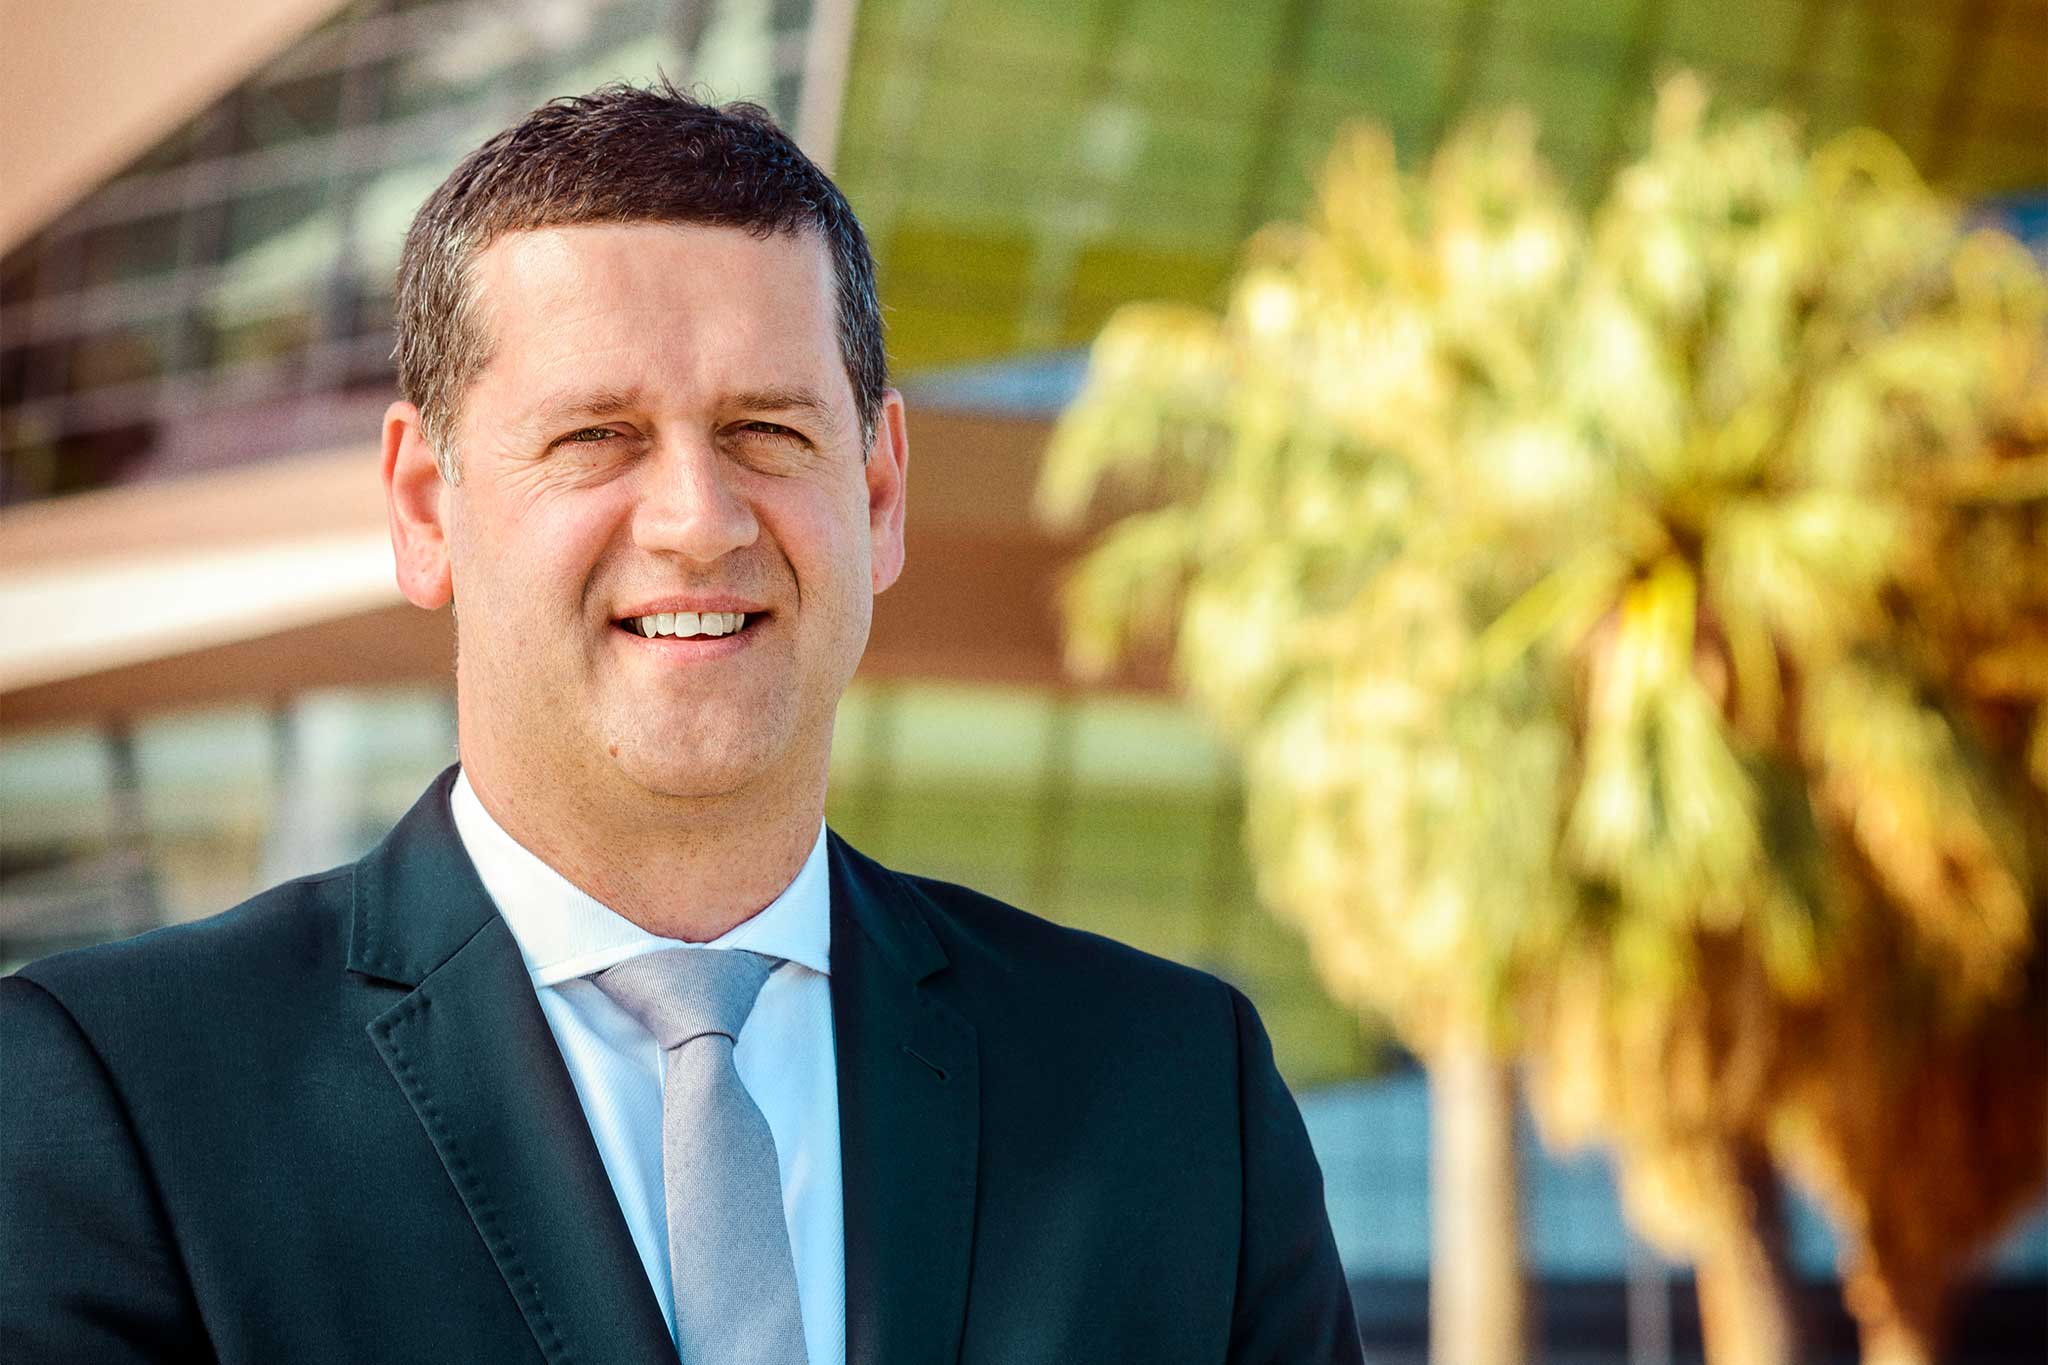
(207, 680)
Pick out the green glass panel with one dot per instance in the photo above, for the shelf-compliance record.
(1214, 41)
(53, 786)
(1187, 180)
(1739, 37)
(953, 294)
(1044, 33)
(1108, 275)
(135, 249)
(1021, 129)
(1384, 62)
(290, 111)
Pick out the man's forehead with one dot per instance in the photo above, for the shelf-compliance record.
(578, 252)
(594, 320)
(649, 275)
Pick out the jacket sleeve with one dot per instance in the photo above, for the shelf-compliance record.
(1293, 1304)
(88, 1272)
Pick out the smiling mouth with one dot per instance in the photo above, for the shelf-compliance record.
(689, 625)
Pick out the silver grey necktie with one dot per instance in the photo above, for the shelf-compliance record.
(728, 1248)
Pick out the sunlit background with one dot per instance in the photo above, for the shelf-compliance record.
(208, 681)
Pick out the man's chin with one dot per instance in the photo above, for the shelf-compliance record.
(688, 773)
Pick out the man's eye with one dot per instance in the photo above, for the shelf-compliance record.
(766, 429)
(587, 435)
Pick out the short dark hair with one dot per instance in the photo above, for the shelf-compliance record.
(620, 154)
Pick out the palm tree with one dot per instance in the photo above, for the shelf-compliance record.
(1636, 634)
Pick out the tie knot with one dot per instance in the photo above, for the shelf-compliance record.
(685, 993)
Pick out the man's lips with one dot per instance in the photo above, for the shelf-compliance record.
(691, 601)
(705, 620)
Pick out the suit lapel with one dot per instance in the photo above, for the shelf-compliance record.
(909, 1123)
(474, 1055)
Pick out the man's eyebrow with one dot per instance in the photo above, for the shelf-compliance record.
(796, 399)
(560, 408)
(569, 407)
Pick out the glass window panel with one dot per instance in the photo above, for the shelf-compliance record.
(53, 791)
(258, 218)
(374, 310)
(954, 294)
(979, 836)
(1045, 36)
(853, 739)
(970, 734)
(383, 211)
(108, 359)
(1007, 130)
(242, 340)
(205, 769)
(1132, 743)
(17, 279)
(290, 111)
(638, 60)
(196, 139)
(367, 755)
(277, 272)
(135, 249)
(1388, 64)
(35, 370)
(1751, 33)
(1108, 275)
(1219, 42)
(92, 456)
(17, 363)
(1189, 150)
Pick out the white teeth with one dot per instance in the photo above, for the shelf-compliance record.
(689, 623)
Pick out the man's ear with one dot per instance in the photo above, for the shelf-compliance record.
(416, 505)
(888, 464)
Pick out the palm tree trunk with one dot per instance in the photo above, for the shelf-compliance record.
(1899, 1343)
(1747, 1314)
(1477, 1299)
(1900, 1322)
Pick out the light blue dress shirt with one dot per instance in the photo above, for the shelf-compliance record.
(784, 1054)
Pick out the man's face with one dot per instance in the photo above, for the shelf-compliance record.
(665, 427)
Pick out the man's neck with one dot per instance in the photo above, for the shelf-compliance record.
(680, 868)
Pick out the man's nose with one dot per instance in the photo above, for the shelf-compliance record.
(690, 506)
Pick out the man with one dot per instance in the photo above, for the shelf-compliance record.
(473, 1098)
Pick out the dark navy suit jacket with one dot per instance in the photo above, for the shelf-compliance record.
(332, 1125)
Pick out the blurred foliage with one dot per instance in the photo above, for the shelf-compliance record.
(1636, 629)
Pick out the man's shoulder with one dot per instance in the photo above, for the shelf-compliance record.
(268, 944)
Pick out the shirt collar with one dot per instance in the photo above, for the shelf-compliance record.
(564, 933)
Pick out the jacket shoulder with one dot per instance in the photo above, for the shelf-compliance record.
(279, 934)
